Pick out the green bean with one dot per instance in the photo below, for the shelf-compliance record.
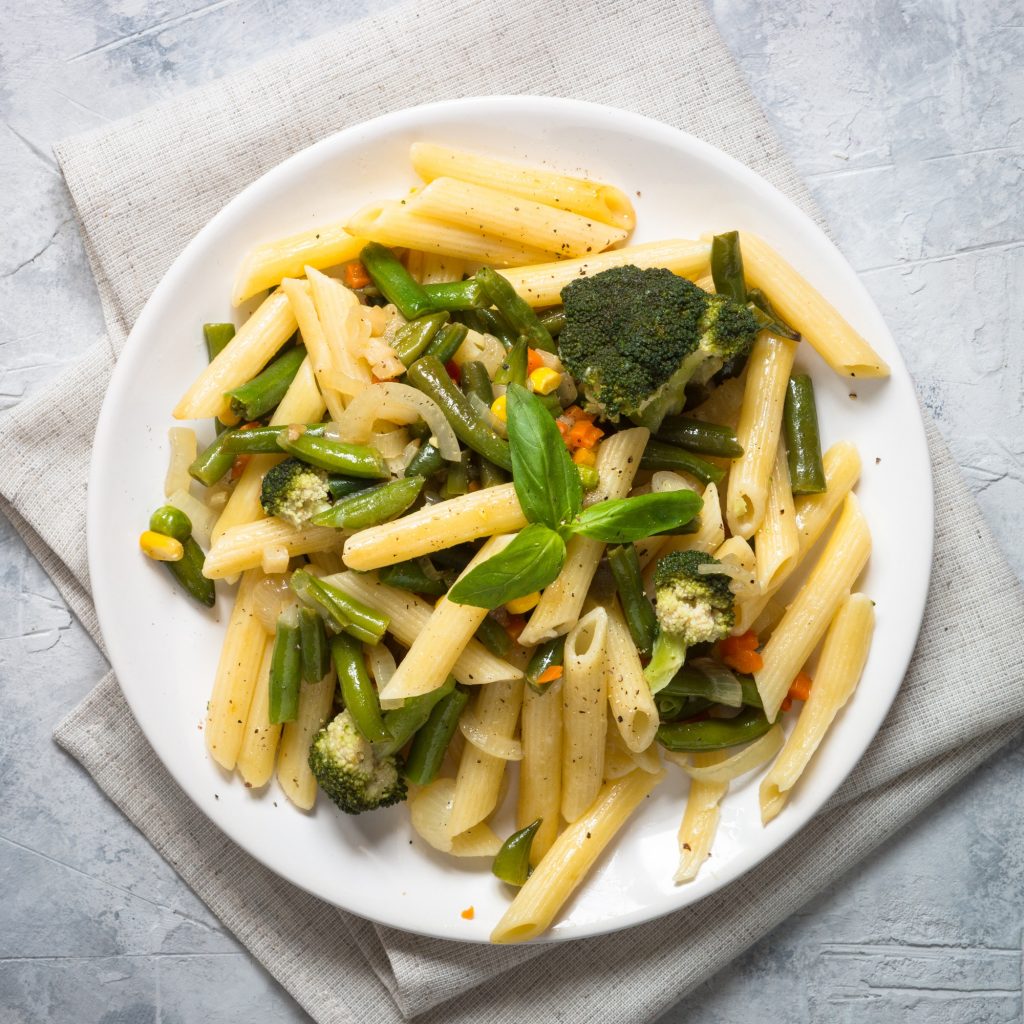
(343, 486)
(188, 570)
(727, 266)
(456, 481)
(412, 339)
(690, 682)
(403, 723)
(217, 336)
(766, 317)
(512, 862)
(513, 366)
(430, 376)
(285, 669)
(456, 295)
(394, 281)
(492, 322)
(714, 733)
(413, 577)
(261, 394)
(658, 455)
(447, 342)
(494, 636)
(456, 559)
(636, 608)
(674, 708)
(515, 310)
(803, 442)
(352, 616)
(549, 654)
(171, 522)
(700, 437)
(316, 655)
(476, 381)
(431, 742)
(214, 461)
(334, 456)
(554, 322)
(357, 689)
(262, 440)
(589, 477)
(372, 506)
(427, 461)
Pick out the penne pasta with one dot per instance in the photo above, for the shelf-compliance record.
(294, 775)
(261, 737)
(700, 820)
(540, 773)
(632, 703)
(319, 353)
(345, 329)
(710, 533)
(776, 540)
(242, 547)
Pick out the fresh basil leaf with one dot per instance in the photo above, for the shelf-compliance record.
(529, 563)
(625, 520)
(546, 480)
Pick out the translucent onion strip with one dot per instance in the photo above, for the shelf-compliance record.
(183, 453)
(725, 687)
(746, 760)
(503, 747)
(203, 518)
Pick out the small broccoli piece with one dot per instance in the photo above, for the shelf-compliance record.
(294, 491)
(635, 338)
(692, 608)
(351, 772)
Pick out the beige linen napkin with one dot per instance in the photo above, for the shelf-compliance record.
(144, 186)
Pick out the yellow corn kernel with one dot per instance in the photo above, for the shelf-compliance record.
(521, 605)
(160, 548)
(498, 408)
(544, 380)
(584, 457)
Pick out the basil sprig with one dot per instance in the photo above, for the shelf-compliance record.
(548, 486)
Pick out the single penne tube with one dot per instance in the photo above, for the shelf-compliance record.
(805, 309)
(840, 666)
(540, 772)
(709, 536)
(319, 352)
(587, 198)
(255, 344)
(618, 758)
(409, 615)
(700, 820)
(438, 645)
(618, 459)
(516, 218)
(584, 712)
(760, 422)
(438, 268)
(267, 265)
(344, 329)
(242, 547)
(393, 223)
(261, 737)
(632, 704)
(776, 540)
(573, 854)
(432, 528)
(294, 775)
(542, 285)
(237, 672)
(302, 403)
(811, 611)
(478, 782)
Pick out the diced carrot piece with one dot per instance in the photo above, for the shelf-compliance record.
(744, 661)
(584, 435)
(549, 675)
(238, 466)
(515, 625)
(355, 275)
(787, 703)
(800, 689)
(533, 360)
(469, 913)
(584, 457)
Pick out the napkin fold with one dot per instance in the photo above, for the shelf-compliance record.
(144, 186)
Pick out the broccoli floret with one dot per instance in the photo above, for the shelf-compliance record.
(692, 608)
(351, 772)
(294, 491)
(635, 338)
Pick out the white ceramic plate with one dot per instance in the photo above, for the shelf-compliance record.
(164, 648)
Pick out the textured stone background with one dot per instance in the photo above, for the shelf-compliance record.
(907, 121)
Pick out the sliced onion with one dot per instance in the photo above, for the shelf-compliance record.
(382, 359)
(183, 453)
(381, 663)
(390, 443)
(725, 687)
(203, 518)
(497, 746)
(396, 403)
(483, 410)
(481, 348)
(270, 597)
(746, 760)
(665, 480)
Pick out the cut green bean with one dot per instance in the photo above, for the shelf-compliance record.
(343, 486)
(513, 366)
(431, 742)
(396, 284)
(492, 322)
(636, 608)
(766, 317)
(700, 437)
(262, 440)
(285, 669)
(549, 654)
(217, 337)
(412, 576)
(334, 456)
(403, 723)
(357, 689)
(658, 455)
(674, 709)
(412, 338)
(456, 481)
(316, 655)
(727, 266)
(554, 322)
(188, 570)
(214, 461)
(372, 506)
(714, 733)
(803, 442)
(476, 381)
(456, 295)
(517, 311)
(430, 376)
(346, 613)
(447, 342)
(427, 461)
(494, 636)
(512, 862)
(261, 394)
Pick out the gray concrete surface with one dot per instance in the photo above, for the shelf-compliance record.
(907, 121)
